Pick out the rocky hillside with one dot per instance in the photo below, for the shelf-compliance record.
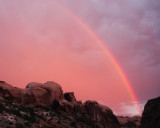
(45, 105)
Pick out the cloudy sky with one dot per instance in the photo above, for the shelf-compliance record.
(41, 40)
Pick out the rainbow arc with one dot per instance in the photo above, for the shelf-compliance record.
(107, 52)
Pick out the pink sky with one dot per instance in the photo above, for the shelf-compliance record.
(39, 42)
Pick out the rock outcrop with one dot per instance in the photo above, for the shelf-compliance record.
(90, 111)
(101, 113)
(69, 96)
(50, 95)
(11, 93)
(42, 94)
(33, 95)
(151, 114)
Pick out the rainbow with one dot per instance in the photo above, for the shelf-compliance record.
(107, 52)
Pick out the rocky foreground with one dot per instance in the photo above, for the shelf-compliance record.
(46, 106)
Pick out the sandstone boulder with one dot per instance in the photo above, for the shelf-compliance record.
(42, 94)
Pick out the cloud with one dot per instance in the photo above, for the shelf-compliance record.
(126, 108)
(129, 109)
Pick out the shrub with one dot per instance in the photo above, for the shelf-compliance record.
(18, 125)
(73, 124)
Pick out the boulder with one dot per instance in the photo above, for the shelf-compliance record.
(69, 96)
(151, 114)
(42, 94)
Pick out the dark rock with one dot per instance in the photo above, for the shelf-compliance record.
(151, 114)
(2, 82)
(92, 108)
(78, 107)
(56, 105)
(1, 108)
(69, 96)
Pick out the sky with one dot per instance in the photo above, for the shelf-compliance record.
(41, 41)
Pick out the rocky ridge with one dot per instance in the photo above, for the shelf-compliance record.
(47, 105)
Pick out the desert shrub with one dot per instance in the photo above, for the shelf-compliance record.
(29, 118)
(27, 124)
(42, 107)
(44, 126)
(2, 108)
(41, 117)
(59, 122)
(18, 125)
(10, 123)
(14, 112)
(51, 114)
(73, 124)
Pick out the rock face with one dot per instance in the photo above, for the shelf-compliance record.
(151, 114)
(50, 95)
(90, 110)
(101, 113)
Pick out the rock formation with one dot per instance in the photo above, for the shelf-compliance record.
(151, 114)
(34, 94)
(45, 105)
(42, 94)
(50, 95)
(101, 113)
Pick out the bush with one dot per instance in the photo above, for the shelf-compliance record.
(18, 125)
(1, 108)
(27, 124)
(44, 126)
(73, 124)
